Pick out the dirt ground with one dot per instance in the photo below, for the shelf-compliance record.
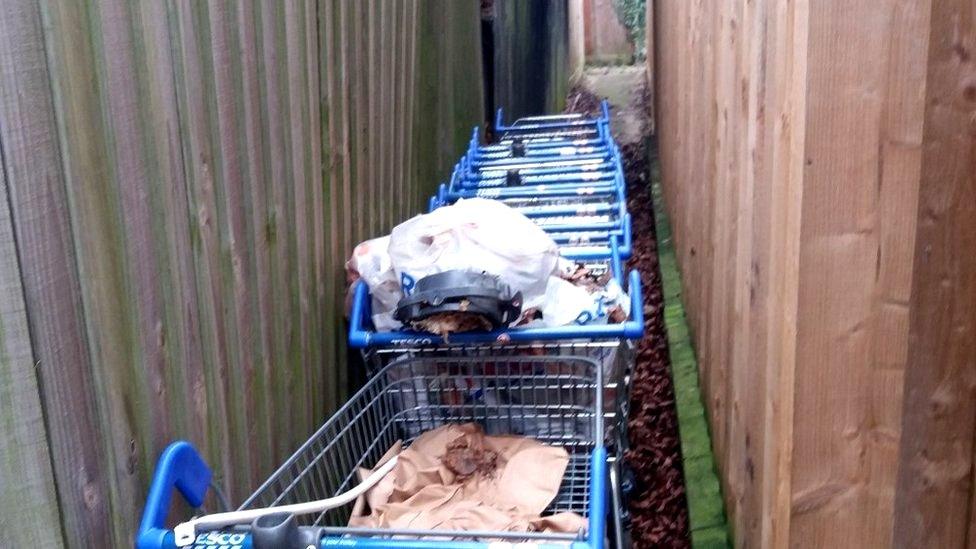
(659, 511)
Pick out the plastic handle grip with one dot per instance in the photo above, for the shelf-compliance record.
(359, 337)
(181, 467)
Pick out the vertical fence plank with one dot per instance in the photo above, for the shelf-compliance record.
(900, 154)
(296, 201)
(719, 186)
(364, 195)
(372, 96)
(935, 481)
(412, 114)
(233, 263)
(37, 196)
(832, 480)
(334, 275)
(389, 93)
(745, 400)
(29, 509)
(196, 96)
(186, 182)
(91, 163)
(319, 368)
(256, 208)
(820, 190)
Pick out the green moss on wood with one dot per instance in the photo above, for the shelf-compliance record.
(715, 537)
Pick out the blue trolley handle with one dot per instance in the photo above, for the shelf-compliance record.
(604, 117)
(361, 337)
(179, 466)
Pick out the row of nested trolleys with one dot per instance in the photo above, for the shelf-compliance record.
(567, 386)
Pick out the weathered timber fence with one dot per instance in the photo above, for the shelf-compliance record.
(181, 184)
(818, 169)
(607, 40)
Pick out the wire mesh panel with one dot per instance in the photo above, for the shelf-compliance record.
(556, 400)
(532, 205)
(615, 358)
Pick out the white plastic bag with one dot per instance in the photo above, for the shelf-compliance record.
(476, 235)
(480, 235)
(566, 303)
(371, 262)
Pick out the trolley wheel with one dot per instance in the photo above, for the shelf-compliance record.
(628, 481)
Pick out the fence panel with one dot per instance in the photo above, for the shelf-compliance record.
(186, 180)
(813, 166)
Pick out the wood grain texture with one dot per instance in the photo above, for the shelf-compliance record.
(935, 481)
(577, 37)
(606, 40)
(799, 144)
(35, 183)
(649, 58)
(832, 481)
(185, 183)
(28, 496)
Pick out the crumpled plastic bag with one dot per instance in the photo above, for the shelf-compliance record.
(480, 235)
(567, 303)
(476, 235)
(421, 492)
(371, 262)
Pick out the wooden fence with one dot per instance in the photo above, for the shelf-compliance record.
(607, 40)
(820, 173)
(182, 182)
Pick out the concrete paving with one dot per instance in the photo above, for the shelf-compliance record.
(621, 86)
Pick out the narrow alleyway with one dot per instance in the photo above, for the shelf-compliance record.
(659, 512)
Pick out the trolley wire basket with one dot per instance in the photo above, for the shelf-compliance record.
(611, 344)
(552, 125)
(555, 400)
(615, 357)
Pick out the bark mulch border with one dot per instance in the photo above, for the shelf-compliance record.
(706, 509)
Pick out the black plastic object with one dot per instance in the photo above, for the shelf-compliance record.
(459, 291)
(518, 148)
(628, 481)
(513, 178)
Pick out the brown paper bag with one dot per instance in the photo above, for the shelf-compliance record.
(421, 492)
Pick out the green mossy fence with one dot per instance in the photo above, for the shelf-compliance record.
(181, 183)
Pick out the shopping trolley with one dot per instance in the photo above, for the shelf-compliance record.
(555, 400)
(538, 149)
(583, 210)
(588, 171)
(512, 173)
(585, 217)
(612, 344)
(564, 162)
(609, 187)
(582, 241)
(558, 126)
(529, 146)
